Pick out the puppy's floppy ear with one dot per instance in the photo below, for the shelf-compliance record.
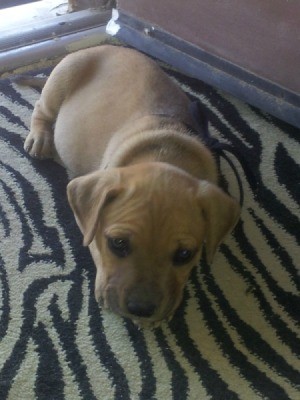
(221, 213)
(88, 196)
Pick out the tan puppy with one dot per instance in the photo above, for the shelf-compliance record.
(145, 194)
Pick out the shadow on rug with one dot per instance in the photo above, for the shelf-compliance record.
(236, 335)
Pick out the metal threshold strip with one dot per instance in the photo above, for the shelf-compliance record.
(51, 37)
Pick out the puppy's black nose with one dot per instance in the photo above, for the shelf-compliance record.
(141, 309)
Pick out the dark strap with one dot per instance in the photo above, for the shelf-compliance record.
(219, 149)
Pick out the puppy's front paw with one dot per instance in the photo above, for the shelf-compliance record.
(39, 144)
(99, 297)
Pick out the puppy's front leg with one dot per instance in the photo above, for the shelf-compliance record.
(98, 288)
(100, 278)
(40, 142)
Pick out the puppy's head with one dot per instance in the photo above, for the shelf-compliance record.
(145, 226)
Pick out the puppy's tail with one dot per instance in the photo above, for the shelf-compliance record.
(31, 81)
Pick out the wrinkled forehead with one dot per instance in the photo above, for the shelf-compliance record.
(158, 207)
(165, 182)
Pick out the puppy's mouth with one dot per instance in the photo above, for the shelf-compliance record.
(143, 314)
(143, 323)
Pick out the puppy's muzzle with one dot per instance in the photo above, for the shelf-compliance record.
(142, 301)
(138, 301)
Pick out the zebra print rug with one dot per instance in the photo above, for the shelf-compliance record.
(236, 334)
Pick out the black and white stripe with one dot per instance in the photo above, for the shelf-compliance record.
(236, 334)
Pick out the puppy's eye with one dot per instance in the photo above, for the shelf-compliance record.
(182, 256)
(119, 246)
